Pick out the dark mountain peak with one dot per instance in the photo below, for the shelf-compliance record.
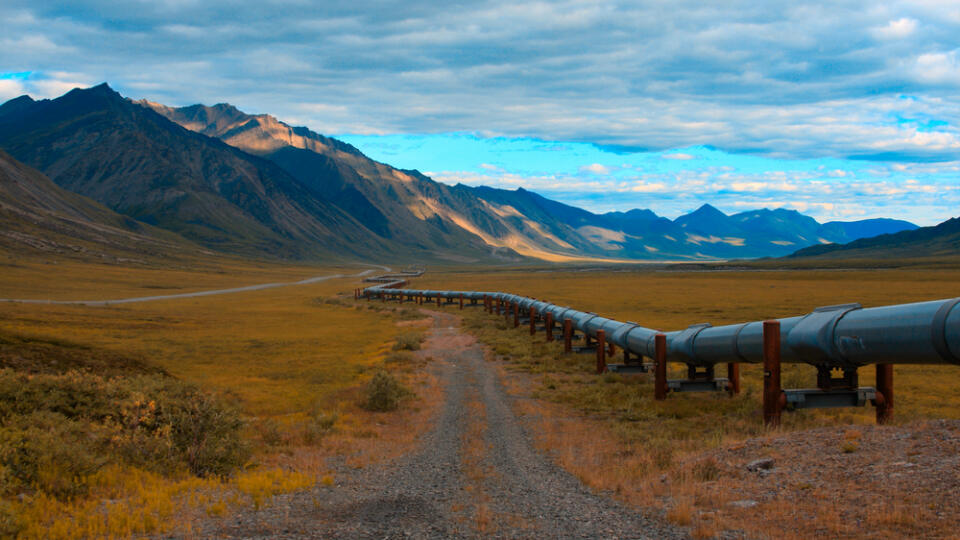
(226, 107)
(101, 90)
(707, 209)
(16, 104)
(90, 98)
(640, 213)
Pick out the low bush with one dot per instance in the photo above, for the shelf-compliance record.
(57, 430)
(384, 393)
(408, 342)
(318, 426)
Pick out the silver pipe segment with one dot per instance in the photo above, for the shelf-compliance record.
(846, 335)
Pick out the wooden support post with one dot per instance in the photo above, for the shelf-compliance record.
(498, 302)
(516, 315)
(884, 401)
(611, 349)
(549, 326)
(733, 378)
(461, 302)
(567, 335)
(601, 351)
(771, 373)
(660, 371)
(533, 321)
(438, 300)
(383, 297)
(401, 298)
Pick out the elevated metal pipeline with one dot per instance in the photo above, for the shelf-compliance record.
(845, 336)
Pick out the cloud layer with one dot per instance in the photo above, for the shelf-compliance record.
(677, 181)
(807, 79)
(866, 92)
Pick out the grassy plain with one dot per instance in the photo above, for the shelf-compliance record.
(65, 279)
(611, 433)
(294, 360)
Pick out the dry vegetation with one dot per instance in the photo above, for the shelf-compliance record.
(685, 455)
(97, 403)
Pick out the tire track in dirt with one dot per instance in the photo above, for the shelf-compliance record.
(475, 474)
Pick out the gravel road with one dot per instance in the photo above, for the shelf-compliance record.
(195, 294)
(476, 474)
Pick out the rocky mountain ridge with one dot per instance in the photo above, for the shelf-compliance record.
(253, 184)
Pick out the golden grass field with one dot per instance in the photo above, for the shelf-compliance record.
(295, 358)
(290, 358)
(610, 432)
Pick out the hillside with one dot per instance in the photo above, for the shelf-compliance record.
(137, 163)
(409, 207)
(940, 240)
(39, 218)
(252, 185)
(401, 206)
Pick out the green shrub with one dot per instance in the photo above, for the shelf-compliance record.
(10, 521)
(46, 451)
(384, 393)
(408, 342)
(56, 430)
(318, 426)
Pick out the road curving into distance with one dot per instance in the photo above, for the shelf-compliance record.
(196, 294)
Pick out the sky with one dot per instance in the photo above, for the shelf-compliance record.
(842, 110)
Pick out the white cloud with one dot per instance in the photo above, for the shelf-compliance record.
(679, 156)
(897, 29)
(10, 89)
(595, 168)
(937, 68)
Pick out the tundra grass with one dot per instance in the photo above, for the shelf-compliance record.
(621, 438)
(72, 280)
(294, 360)
(670, 300)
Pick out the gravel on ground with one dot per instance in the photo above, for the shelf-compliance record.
(475, 474)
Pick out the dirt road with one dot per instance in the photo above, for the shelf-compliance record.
(195, 294)
(476, 474)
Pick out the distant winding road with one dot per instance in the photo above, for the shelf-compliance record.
(196, 293)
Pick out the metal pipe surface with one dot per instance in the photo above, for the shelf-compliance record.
(845, 335)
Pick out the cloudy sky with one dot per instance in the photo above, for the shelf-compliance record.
(842, 110)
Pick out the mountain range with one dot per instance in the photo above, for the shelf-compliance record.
(938, 241)
(251, 184)
(39, 217)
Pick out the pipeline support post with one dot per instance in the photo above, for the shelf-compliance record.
(516, 315)
(733, 378)
(461, 301)
(498, 302)
(567, 335)
(548, 326)
(533, 321)
(660, 370)
(601, 351)
(771, 373)
(884, 399)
